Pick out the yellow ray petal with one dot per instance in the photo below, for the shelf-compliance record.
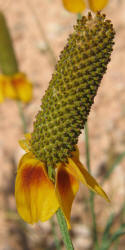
(35, 193)
(9, 90)
(25, 143)
(83, 175)
(75, 6)
(75, 154)
(23, 87)
(26, 157)
(96, 5)
(66, 189)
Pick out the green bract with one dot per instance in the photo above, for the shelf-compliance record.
(70, 95)
(8, 62)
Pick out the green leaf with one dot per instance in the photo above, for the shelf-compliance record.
(106, 235)
(107, 228)
(107, 238)
(114, 165)
(118, 233)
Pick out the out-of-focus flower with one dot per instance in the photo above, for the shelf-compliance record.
(15, 87)
(38, 198)
(96, 5)
(77, 6)
(13, 84)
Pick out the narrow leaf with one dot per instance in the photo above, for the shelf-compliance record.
(107, 228)
(114, 165)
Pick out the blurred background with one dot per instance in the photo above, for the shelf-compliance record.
(35, 25)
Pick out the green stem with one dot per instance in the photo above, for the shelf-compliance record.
(87, 147)
(42, 32)
(64, 230)
(22, 117)
(56, 240)
(94, 227)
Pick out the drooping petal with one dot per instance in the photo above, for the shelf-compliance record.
(96, 5)
(66, 189)
(26, 157)
(75, 6)
(75, 154)
(35, 193)
(83, 175)
(23, 87)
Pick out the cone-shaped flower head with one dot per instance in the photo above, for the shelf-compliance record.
(70, 95)
(13, 84)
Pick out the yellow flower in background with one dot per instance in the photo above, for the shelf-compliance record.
(77, 6)
(38, 198)
(96, 5)
(15, 87)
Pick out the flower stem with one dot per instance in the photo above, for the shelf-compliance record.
(64, 230)
(22, 116)
(94, 228)
(42, 32)
(56, 240)
(87, 147)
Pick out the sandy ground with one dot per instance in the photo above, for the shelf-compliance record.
(30, 22)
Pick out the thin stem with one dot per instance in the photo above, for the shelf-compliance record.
(64, 230)
(87, 147)
(22, 117)
(42, 32)
(94, 227)
(56, 240)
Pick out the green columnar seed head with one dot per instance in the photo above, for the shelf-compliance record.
(70, 95)
(8, 63)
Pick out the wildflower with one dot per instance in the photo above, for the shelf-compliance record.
(15, 87)
(64, 110)
(77, 6)
(37, 197)
(13, 84)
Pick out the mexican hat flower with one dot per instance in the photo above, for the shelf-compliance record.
(77, 6)
(49, 173)
(13, 84)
